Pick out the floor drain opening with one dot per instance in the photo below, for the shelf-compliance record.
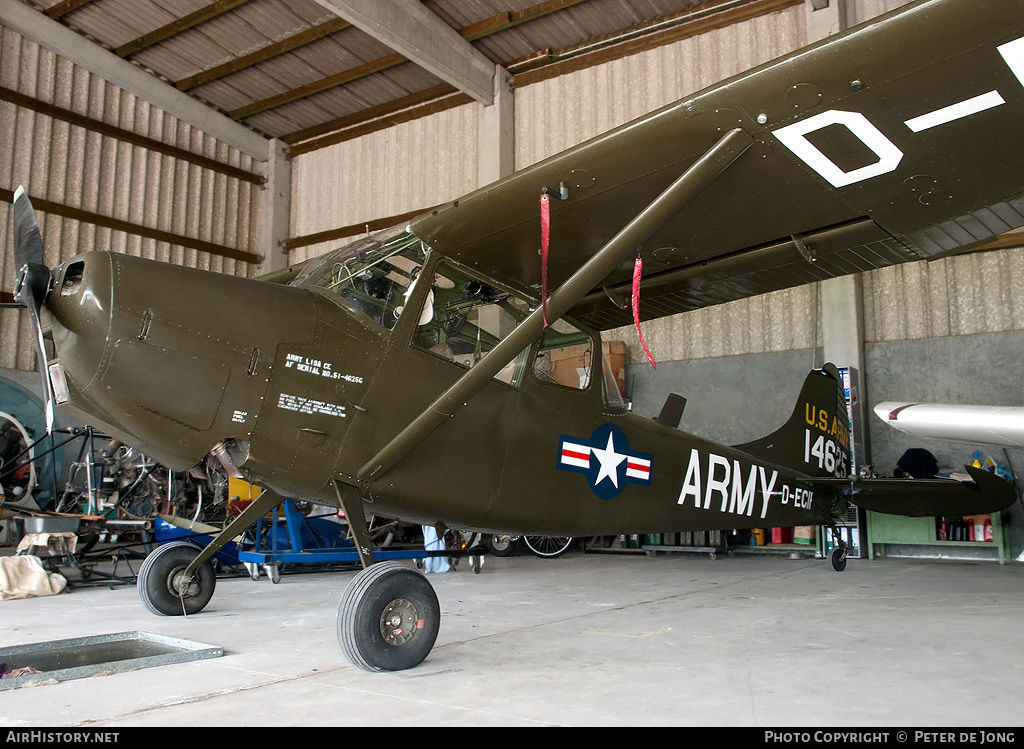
(82, 657)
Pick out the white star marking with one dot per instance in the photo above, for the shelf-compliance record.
(610, 461)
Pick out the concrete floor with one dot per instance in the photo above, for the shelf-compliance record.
(584, 640)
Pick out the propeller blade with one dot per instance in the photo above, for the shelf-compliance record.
(33, 311)
(32, 285)
(28, 245)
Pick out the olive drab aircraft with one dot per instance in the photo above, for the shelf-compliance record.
(420, 373)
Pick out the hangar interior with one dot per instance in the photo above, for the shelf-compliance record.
(245, 137)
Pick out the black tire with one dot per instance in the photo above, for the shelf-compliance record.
(501, 546)
(548, 547)
(159, 581)
(388, 618)
(838, 559)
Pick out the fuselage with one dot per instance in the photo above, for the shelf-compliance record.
(295, 387)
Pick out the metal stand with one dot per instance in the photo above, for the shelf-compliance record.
(296, 541)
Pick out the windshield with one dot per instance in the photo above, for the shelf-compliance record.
(375, 274)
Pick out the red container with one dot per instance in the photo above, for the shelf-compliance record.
(782, 535)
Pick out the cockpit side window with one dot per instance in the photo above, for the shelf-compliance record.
(464, 317)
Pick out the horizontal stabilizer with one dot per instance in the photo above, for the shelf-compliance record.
(927, 497)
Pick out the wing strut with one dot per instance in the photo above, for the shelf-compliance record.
(664, 207)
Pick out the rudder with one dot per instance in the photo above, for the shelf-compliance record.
(816, 438)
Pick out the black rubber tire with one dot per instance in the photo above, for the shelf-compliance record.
(838, 559)
(362, 630)
(501, 546)
(548, 547)
(156, 581)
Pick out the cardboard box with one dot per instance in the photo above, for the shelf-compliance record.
(617, 354)
(567, 364)
(804, 534)
(570, 362)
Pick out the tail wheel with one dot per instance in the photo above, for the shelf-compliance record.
(162, 584)
(548, 547)
(388, 618)
(501, 546)
(838, 558)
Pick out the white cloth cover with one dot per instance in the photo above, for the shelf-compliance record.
(24, 577)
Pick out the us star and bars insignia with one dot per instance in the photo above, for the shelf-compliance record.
(606, 460)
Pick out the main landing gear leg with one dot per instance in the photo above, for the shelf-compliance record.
(389, 616)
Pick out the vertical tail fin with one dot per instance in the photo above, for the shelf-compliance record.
(816, 438)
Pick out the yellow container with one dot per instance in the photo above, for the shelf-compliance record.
(240, 495)
(757, 534)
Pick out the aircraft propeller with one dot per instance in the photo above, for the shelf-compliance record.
(33, 283)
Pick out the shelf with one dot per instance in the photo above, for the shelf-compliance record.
(776, 549)
(894, 530)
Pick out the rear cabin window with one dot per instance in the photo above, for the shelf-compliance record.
(565, 356)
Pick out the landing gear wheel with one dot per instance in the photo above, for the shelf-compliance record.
(388, 618)
(501, 546)
(548, 547)
(163, 588)
(838, 559)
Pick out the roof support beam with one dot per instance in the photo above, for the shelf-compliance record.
(496, 133)
(275, 210)
(177, 26)
(65, 7)
(478, 30)
(407, 27)
(61, 40)
(261, 55)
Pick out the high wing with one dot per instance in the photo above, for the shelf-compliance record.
(898, 140)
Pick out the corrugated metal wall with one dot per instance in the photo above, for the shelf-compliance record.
(977, 293)
(404, 168)
(558, 113)
(66, 164)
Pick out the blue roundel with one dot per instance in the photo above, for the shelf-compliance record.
(606, 459)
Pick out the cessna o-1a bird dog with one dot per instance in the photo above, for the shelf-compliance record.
(410, 371)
